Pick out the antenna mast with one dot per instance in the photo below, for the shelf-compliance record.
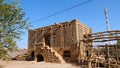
(107, 20)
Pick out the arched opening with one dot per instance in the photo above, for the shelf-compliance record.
(66, 56)
(40, 58)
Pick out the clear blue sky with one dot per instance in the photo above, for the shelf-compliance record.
(91, 14)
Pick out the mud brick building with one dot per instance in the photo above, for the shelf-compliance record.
(58, 42)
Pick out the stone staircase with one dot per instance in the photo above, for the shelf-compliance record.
(49, 54)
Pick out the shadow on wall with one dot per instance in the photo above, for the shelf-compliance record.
(30, 57)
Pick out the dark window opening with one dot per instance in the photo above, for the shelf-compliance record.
(47, 40)
(40, 58)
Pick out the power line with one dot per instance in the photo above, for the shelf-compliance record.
(63, 10)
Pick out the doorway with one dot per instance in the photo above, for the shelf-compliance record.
(47, 40)
(66, 56)
(32, 55)
(40, 58)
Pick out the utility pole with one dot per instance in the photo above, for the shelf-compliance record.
(107, 20)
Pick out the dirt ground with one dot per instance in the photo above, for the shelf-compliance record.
(33, 64)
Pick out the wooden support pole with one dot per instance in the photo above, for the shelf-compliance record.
(89, 59)
(89, 62)
(107, 57)
(117, 52)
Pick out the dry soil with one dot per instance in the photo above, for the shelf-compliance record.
(33, 64)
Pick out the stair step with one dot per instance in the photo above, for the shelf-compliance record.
(52, 55)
